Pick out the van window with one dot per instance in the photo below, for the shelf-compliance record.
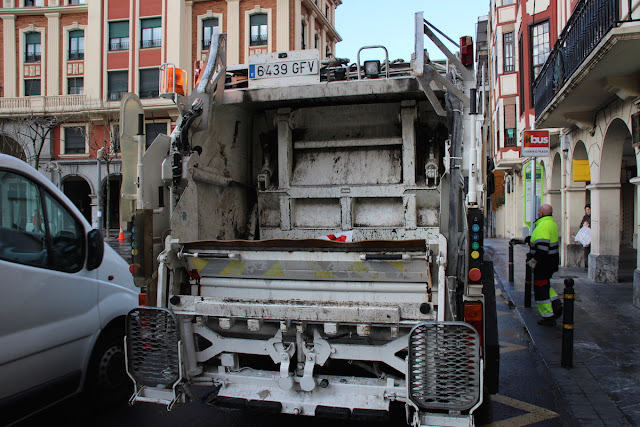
(66, 237)
(35, 229)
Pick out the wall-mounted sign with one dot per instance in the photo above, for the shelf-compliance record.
(581, 172)
(535, 143)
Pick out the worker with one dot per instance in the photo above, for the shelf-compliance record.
(544, 258)
(586, 222)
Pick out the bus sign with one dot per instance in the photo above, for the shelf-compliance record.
(535, 143)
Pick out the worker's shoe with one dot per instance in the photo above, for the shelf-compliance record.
(547, 321)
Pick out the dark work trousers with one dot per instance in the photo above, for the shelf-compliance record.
(549, 304)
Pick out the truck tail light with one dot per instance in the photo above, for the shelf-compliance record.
(474, 315)
(142, 299)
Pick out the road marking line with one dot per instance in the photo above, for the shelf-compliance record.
(535, 413)
(507, 347)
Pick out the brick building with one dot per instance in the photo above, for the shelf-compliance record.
(65, 65)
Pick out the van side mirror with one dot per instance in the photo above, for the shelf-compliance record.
(96, 249)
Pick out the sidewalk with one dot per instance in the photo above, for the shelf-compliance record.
(603, 387)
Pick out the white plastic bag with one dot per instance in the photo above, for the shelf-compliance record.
(584, 236)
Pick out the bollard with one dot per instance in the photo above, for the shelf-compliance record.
(511, 278)
(567, 327)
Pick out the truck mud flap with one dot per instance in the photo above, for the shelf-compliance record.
(444, 366)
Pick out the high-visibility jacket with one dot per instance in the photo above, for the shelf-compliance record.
(544, 248)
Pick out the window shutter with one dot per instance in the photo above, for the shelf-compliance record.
(149, 80)
(211, 22)
(32, 38)
(150, 23)
(259, 19)
(510, 116)
(76, 33)
(118, 29)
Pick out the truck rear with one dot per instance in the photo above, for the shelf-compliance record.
(321, 251)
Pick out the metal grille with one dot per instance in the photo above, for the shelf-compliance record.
(444, 366)
(152, 346)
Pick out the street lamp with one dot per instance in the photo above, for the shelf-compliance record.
(98, 190)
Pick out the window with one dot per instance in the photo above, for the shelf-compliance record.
(76, 44)
(75, 85)
(33, 47)
(539, 46)
(36, 229)
(150, 83)
(117, 84)
(74, 140)
(326, 12)
(33, 2)
(152, 130)
(521, 76)
(207, 30)
(508, 50)
(510, 137)
(119, 35)
(507, 2)
(303, 43)
(77, 1)
(258, 29)
(32, 87)
(22, 221)
(151, 32)
(316, 42)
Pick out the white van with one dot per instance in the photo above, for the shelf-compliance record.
(64, 295)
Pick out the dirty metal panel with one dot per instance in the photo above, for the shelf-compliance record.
(413, 270)
(311, 312)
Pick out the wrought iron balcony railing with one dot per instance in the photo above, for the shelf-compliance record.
(588, 25)
(32, 57)
(150, 43)
(76, 55)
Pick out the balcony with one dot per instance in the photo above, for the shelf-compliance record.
(596, 57)
(150, 43)
(75, 55)
(58, 104)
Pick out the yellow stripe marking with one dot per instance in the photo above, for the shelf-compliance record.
(398, 265)
(325, 274)
(535, 413)
(507, 347)
(275, 270)
(569, 296)
(568, 326)
(234, 268)
(199, 263)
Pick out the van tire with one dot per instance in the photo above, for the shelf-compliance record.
(108, 384)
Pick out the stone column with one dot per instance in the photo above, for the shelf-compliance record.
(605, 232)
(94, 52)
(10, 59)
(53, 53)
(636, 272)
(282, 26)
(233, 32)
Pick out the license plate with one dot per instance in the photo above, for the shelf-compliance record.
(283, 69)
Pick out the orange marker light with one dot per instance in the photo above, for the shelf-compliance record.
(475, 274)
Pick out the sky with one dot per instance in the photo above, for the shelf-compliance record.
(391, 23)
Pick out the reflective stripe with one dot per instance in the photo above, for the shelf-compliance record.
(543, 301)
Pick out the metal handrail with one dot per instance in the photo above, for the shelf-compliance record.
(590, 22)
(386, 58)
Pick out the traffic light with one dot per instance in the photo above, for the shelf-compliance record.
(475, 221)
(142, 246)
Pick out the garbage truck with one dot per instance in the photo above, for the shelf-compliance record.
(310, 240)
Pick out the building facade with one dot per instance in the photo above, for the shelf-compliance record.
(66, 64)
(588, 88)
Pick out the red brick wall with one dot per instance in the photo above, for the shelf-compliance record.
(1, 59)
(201, 8)
(250, 5)
(118, 9)
(151, 7)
